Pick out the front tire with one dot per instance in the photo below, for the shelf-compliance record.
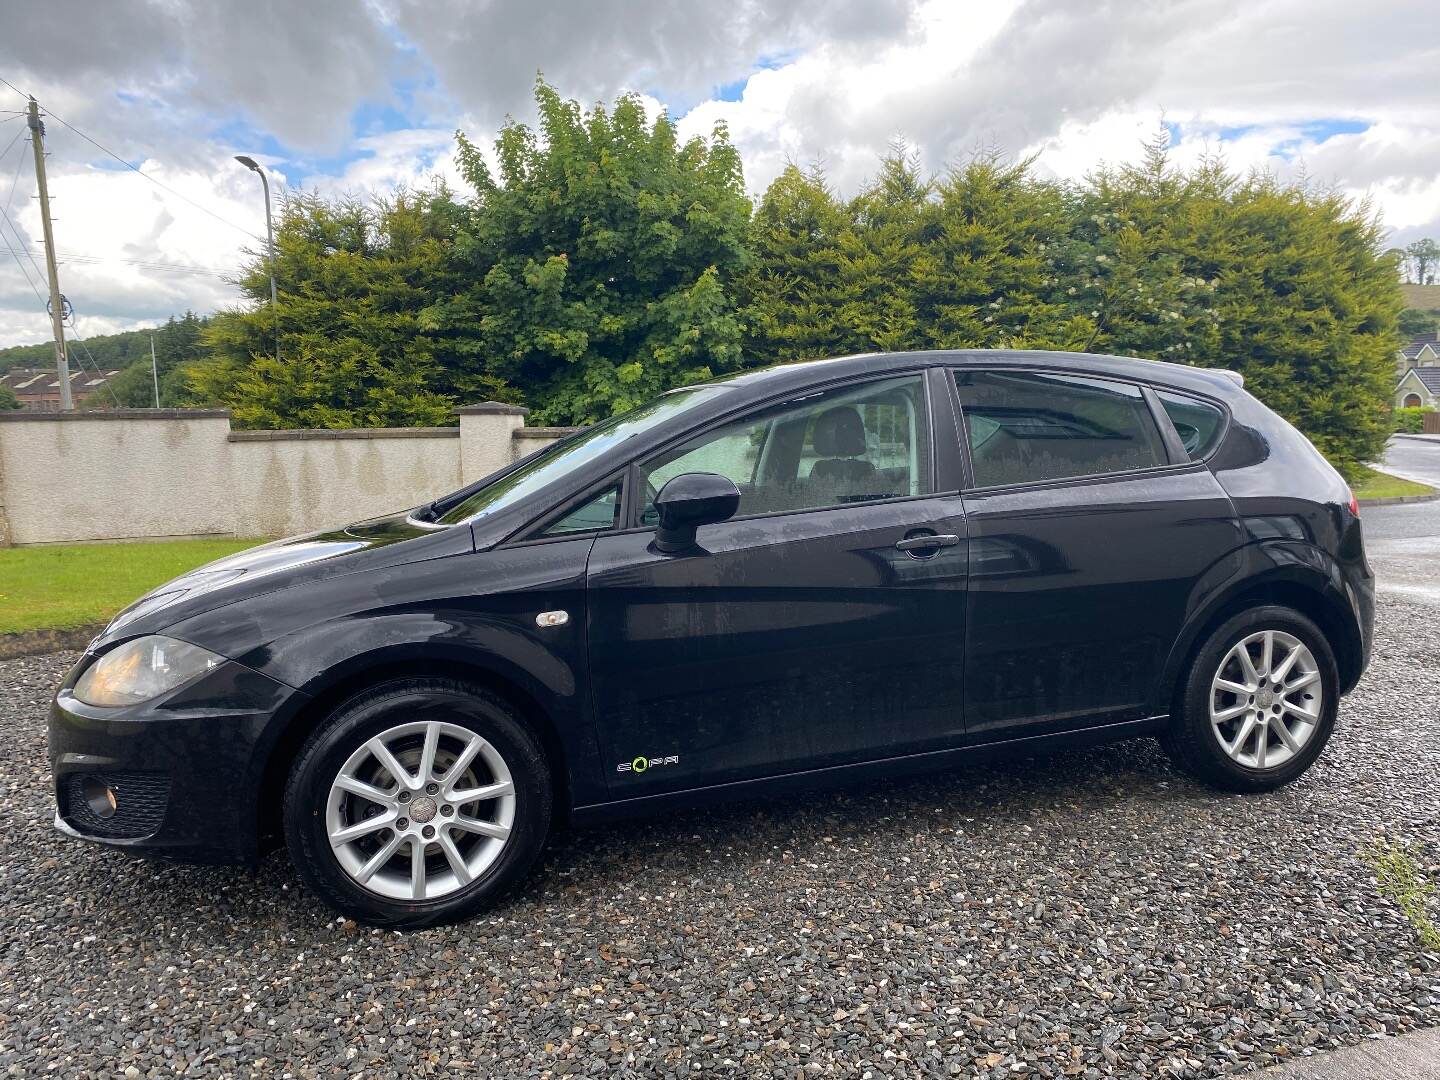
(417, 803)
(1258, 703)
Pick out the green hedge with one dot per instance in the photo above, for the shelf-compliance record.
(1410, 421)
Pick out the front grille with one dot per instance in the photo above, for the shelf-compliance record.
(140, 801)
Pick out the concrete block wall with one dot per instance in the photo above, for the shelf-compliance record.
(155, 473)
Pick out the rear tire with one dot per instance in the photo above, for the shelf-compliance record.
(416, 803)
(1257, 704)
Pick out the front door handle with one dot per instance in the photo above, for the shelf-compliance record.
(927, 540)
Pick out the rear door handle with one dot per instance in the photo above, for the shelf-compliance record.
(929, 540)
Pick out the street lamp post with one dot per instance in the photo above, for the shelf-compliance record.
(254, 166)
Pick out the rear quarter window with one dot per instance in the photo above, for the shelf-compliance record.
(1198, 423)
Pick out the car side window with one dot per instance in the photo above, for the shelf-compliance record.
(1029, 426)
(854, 444)
(1196, 422)
(593, 515)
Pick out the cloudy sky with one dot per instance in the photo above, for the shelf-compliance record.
(355, 95)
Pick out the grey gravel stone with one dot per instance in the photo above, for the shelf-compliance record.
(1087, 914)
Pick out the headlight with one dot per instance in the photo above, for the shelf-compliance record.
(142, 669)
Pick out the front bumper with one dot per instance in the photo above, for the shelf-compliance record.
(184, 770)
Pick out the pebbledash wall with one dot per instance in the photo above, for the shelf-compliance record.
(154, 473)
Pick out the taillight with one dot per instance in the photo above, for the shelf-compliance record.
(1354, 505)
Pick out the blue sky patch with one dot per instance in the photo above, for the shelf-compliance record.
(731, 91)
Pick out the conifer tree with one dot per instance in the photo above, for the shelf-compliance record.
(358, 345)
(791, 288)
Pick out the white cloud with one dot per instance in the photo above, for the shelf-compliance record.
(410, 159)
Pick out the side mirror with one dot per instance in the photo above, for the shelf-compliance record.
(689, 501)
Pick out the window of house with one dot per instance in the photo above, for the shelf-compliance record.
(851, 445)
(1197, 423)
(1031, 426)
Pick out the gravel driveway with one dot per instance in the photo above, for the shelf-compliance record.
(1088, 914)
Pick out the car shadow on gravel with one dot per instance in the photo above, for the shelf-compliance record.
(718, 842)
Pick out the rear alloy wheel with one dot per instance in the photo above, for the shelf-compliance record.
(1266, 699)
(417, 803)
(1258, 703)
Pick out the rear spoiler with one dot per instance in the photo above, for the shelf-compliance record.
(1233, 376)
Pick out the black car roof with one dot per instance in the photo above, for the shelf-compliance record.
(806, 372)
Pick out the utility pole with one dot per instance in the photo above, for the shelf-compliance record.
(57, 305)
(154, 371)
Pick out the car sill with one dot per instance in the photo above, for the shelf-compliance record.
(835, 775)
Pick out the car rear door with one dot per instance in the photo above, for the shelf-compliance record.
(1093, 535)
(800, 636)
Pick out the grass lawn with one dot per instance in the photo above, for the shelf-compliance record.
(70, 585)
(1373, 484)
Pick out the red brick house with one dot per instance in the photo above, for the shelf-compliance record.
(39, 390)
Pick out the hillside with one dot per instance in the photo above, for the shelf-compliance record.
(1423, 297)
(109, 351)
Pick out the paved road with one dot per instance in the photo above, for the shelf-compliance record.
(1410, 1057)
(1414, 459)
(1404, 541)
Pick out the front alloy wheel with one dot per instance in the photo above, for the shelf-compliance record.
(417, 802)
(420, 810)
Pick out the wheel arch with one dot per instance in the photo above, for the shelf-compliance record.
(365, 672)
(1303, 588)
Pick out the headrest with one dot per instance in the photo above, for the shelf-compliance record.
(839, 432)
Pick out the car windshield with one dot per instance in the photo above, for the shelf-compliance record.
(570, 454)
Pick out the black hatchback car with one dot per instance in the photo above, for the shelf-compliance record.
(825, 570)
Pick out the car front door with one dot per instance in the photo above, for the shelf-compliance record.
(1092, 536)
(798, 635)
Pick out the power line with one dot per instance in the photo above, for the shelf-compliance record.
(147, 176)
(14, 180)
(20, 239)
(143, 264)
(12, 142)
(33, 289)
(135, 168)
(95, 366)
(6, 217)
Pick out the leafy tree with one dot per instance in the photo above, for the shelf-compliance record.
(8, 400)
(602, 258)
(1421, 259)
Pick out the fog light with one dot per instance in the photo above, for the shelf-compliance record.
(99, 796)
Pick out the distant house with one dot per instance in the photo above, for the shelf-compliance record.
(1422, 350)
(1420, 388)
(1418, 368)
(39, 389)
